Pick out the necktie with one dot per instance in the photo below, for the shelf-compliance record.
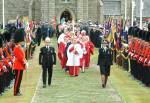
(48, 48)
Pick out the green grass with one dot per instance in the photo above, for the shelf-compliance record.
(83, 89)
(29, 82)
(132, 91)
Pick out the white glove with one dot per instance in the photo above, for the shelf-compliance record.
(26, 65)
(149, 63)
(10, 64)
(145, 60)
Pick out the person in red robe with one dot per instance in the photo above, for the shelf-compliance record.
(74, 54)
(61, 52)
(90, 50)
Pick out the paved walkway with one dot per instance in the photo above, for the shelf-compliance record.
(83, 89)
(86, 88)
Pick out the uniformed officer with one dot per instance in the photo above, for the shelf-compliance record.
(47, 58)
(105, 61)
(20, 63)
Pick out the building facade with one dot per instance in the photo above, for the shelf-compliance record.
(46, 10)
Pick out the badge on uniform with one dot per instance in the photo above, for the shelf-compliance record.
(51, 50)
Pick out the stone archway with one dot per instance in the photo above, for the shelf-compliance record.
(68, 13)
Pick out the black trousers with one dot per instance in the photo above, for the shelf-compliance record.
(39, 40)
(8, 76)
(48, 70)
(1, 84)
(18, 79)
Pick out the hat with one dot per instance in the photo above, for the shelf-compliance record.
(130, 31)
(148, 36)
(19, 35)
(135, 31)
(140, 33)
(7, 36)
(149, 26)
(1, 41)
(145, 35)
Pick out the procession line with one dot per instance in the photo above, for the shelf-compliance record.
(37, 87)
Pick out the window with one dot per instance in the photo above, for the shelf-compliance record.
(112, 8)
(66, 1)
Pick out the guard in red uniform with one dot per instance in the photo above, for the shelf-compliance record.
(20, 63)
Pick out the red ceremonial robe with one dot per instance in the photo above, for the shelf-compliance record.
(61, 55)
(90, 50)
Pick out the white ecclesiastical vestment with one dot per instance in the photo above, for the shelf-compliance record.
(74, 59)
(61, 38)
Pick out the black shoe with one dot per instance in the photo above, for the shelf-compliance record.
(83, 72)
(18, 94)
(1, 94)
(44, 86)
(103, 85)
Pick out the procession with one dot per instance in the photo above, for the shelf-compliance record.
(90, 55)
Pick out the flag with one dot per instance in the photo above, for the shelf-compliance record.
(54, 23)
(113, 30)
(31, 25)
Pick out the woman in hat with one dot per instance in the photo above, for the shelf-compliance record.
(105, 60)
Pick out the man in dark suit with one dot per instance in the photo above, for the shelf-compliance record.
(47, 58)
(105, 60)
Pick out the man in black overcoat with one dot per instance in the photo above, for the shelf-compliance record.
(47, 58)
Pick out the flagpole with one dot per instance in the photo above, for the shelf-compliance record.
(74, 49)
(3, 15)
(133, 6)
(125, 9)
(141, 12)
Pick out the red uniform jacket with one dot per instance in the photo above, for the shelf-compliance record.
(131, 48)
(19, 63)
(1, 68)
(137, 49)
(147, 58)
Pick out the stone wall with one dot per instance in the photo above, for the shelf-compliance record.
(146, 10)
(36, 10)
(45, 10)
(92, 10)
(14, 8)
